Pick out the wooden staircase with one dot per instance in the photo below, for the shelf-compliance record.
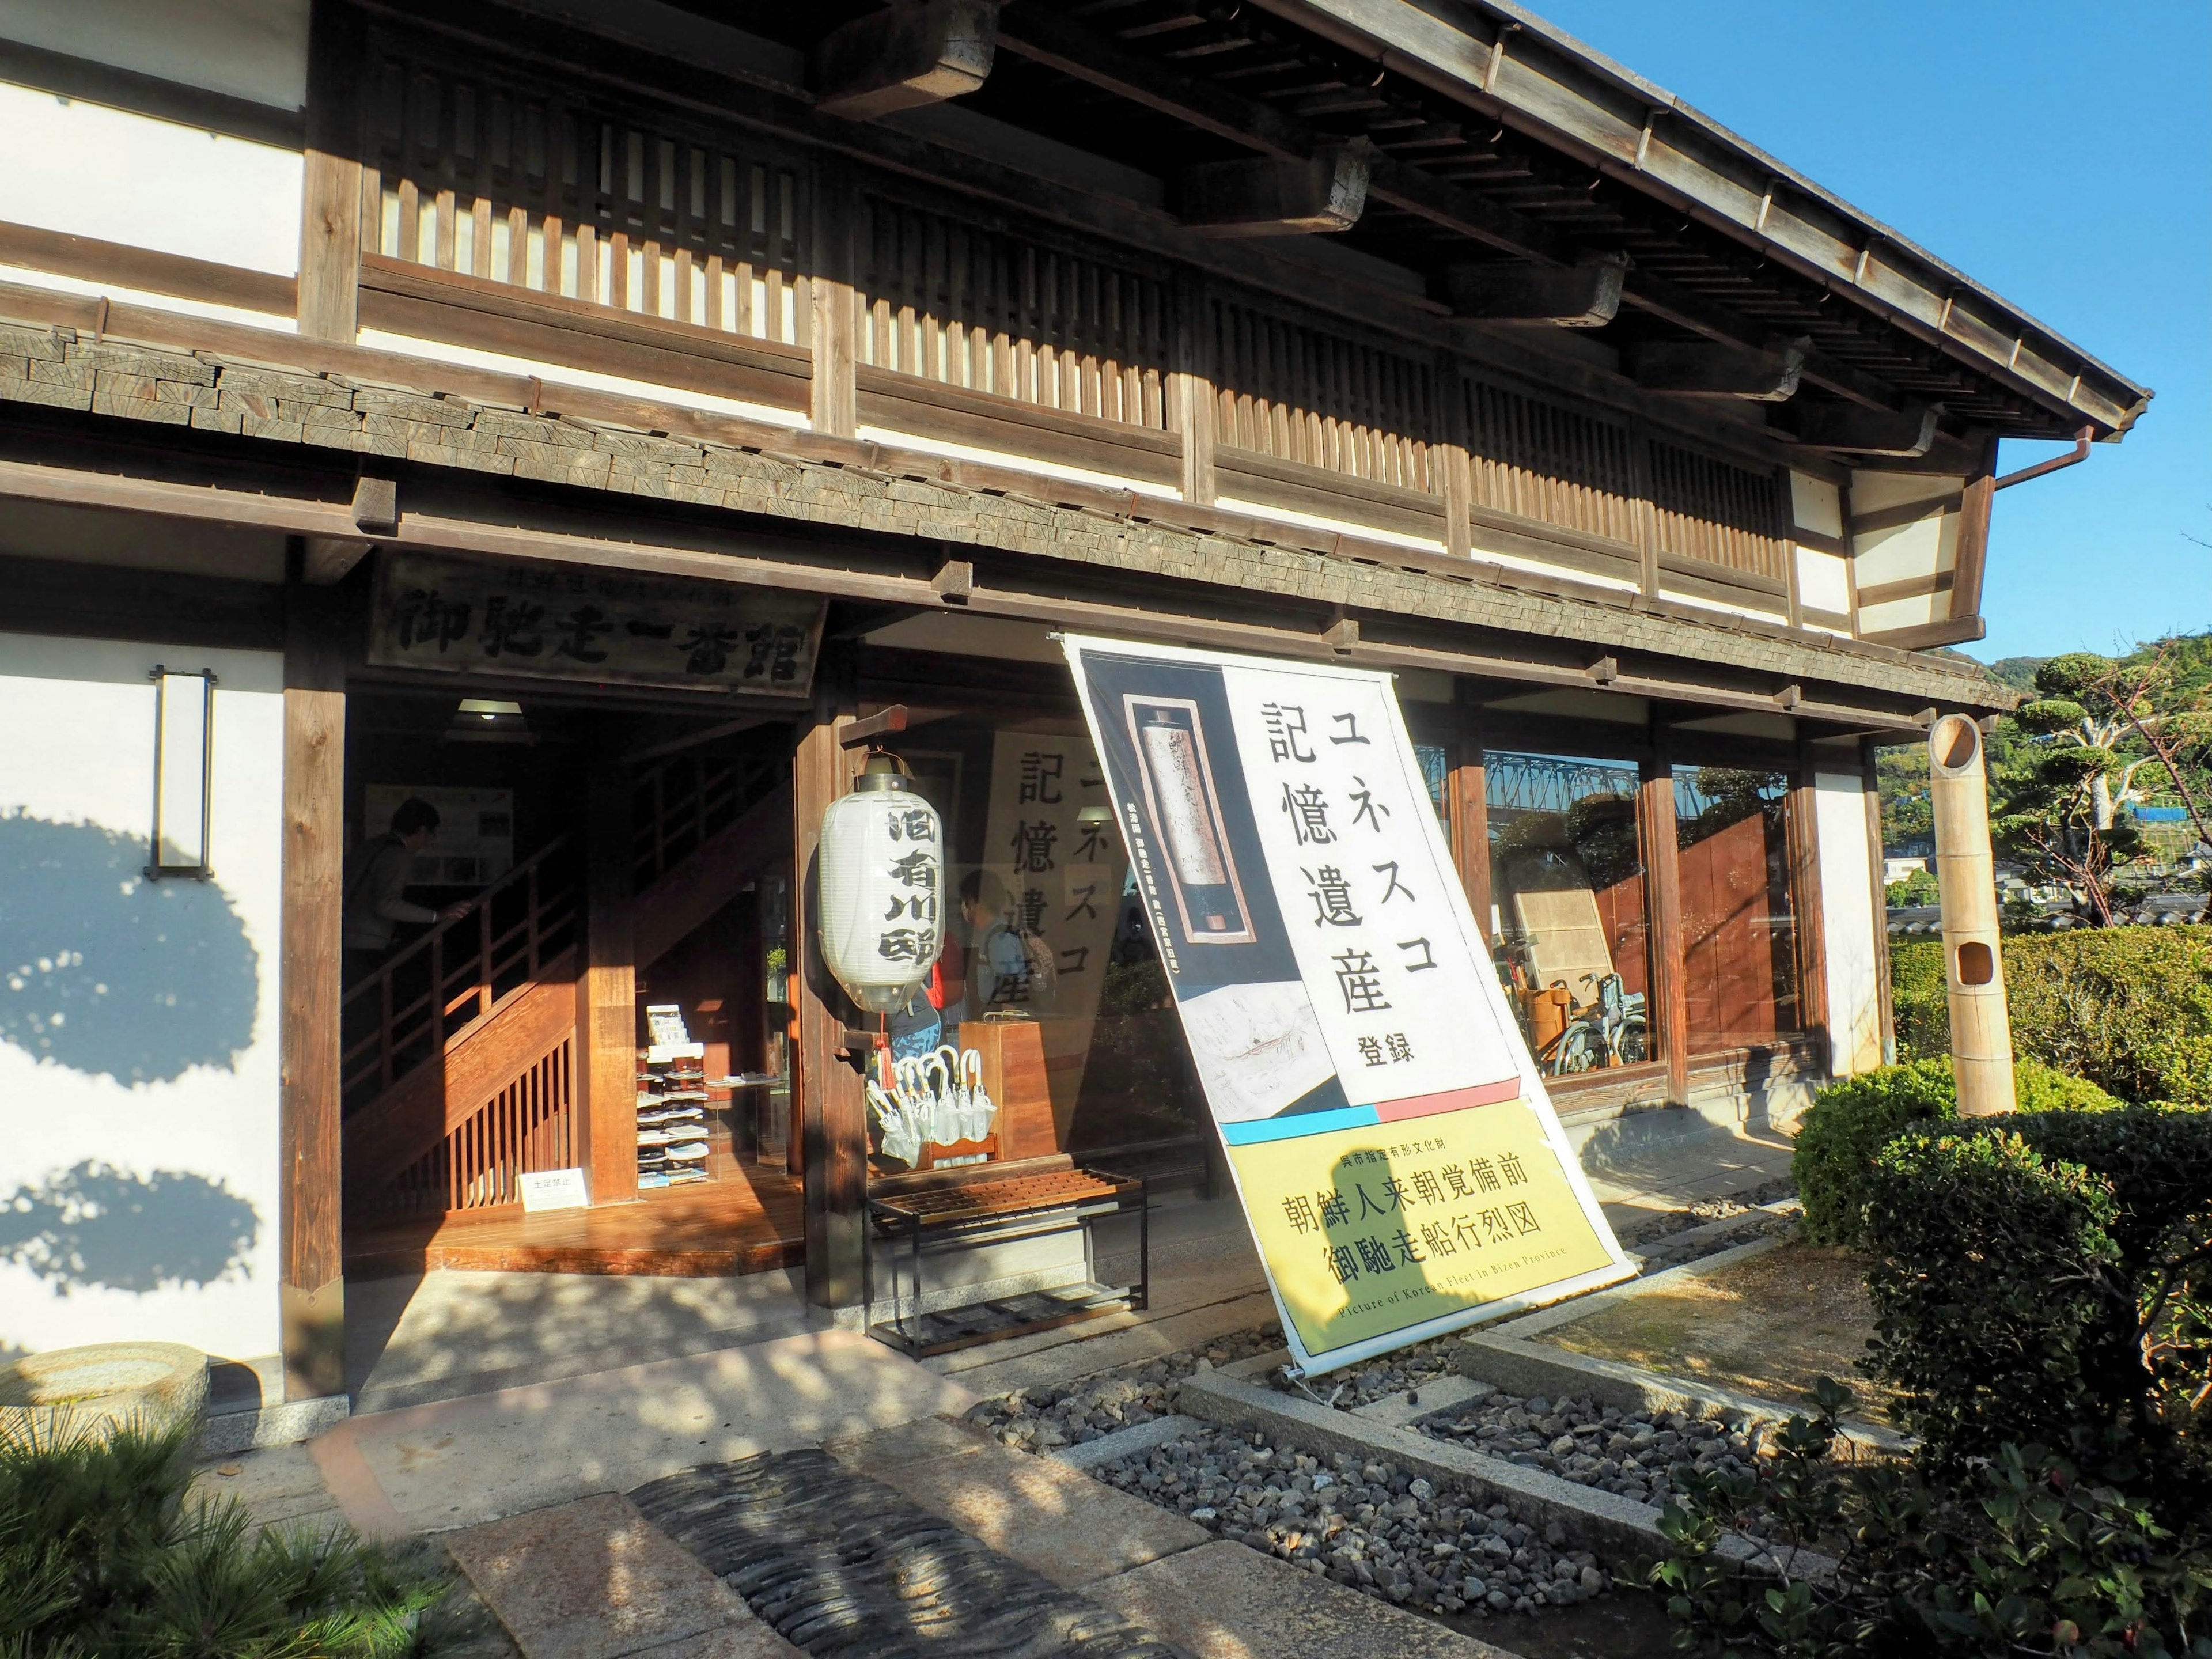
(459, 1064)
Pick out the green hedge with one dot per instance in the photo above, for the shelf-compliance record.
(1849, 1123)
(2041, 1277)
(2127, 1008)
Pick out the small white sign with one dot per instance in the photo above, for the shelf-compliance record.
(555, 1190)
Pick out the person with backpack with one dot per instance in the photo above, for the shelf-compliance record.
(376, 900)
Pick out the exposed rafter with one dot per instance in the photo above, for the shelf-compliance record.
(1269, 196)
(1587, 295)
(903, 57)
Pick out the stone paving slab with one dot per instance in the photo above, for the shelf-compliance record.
(593, 1579)
(1126, 1443)
(1440, 1394)
(1225, 1601)
(1053, 1519)
(279, 1487)
(459, 1463)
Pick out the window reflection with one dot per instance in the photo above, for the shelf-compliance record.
(1739, 936)
(1568, 914)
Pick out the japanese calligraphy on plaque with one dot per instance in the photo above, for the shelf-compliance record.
(582, 622)
(1399, 1163)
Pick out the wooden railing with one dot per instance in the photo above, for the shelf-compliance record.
(683, 803)
(529, 1125)
(413, 1007)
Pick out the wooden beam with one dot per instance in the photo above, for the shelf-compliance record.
(834, 395)
(1451, 461)
(1908, 432)
(903, 57)
(829, 1111)
(1709, 371)
(309, 936)
(1585, 296)
(954, 581)
(1192, 408)
(1667, 1001)
(1802, 829)
(1268, 195)
(330, 559)
(1659, 297)
(606, 992)
(1870, 776)
(861, 733)
(330, 204)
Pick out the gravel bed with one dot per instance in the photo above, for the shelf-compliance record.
(1645, 1234)
(1637, 1455)
(1367, 1525)
(1041, 1419)
(1408, 1369)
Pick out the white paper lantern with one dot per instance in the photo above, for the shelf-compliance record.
(882, 890)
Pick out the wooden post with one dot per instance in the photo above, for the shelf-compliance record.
(1469, 797)
(331, 200)
(1668, 1002)
(1191, 390)
(606, 993)
(835, 402)
(829, 1113)
(1801, 825)
(1455, 481)
(1872, 775)
(1965, 875)
(1647, 512)
(310, 943)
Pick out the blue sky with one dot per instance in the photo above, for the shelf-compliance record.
(2058, 155)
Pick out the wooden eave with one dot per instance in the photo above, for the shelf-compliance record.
(276, 432)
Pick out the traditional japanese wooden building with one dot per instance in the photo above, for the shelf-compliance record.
(596, 419)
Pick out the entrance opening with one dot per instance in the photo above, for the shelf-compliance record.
(486, 1036)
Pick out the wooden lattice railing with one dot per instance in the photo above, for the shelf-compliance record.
(527, 1126)
(415, 1006)
(681, 803)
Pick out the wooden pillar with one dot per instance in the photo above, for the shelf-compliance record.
(309, 949)
(1191, 402)
(1468, 797)
(1667, 1002)
(331, 206)
(1965, 874)
(1456, 479)
(1802, 823)
(606, 993)
(1871, 776)
(834, 404)
(1647, 512)
(829, 1111)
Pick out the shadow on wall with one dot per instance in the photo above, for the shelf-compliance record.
(112, 974)
(95, 1227)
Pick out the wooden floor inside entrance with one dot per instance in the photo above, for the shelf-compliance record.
(747, 1220)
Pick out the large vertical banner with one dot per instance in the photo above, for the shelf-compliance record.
(1397, 1157)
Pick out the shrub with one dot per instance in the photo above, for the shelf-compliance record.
(2024, 1553)
(2127, 1008)
(1848, 1125)
(2049, 1275)
(101, 1554)
(1992, 1267)
(1852, 1121)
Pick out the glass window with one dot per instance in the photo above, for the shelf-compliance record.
(1739, 937)
(1047, 971)
(1567, 916)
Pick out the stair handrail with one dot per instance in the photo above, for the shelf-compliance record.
(488, 956)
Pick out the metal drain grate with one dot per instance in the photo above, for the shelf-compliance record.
(841, 1564)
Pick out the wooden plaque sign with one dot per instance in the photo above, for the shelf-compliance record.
(569, 621)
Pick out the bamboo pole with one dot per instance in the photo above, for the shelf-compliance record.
(1973, 966)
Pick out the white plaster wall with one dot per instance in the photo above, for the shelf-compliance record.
(70, 166)
(1816, 505)
(1847, 922)
(1701, 603)
(251, 49)
(140, 1206)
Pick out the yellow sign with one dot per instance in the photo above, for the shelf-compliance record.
(1373, 1229)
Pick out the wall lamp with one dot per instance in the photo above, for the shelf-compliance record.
(183, 771)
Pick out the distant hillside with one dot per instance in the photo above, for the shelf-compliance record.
(2018, 672)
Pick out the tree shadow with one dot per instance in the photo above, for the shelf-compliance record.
(106, 972)
(95, 1227)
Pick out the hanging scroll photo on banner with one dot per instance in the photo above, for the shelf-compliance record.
(1399, 1161)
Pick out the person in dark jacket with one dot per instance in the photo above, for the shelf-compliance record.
(376, 900)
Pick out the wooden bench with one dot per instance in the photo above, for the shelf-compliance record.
(992, 1212)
